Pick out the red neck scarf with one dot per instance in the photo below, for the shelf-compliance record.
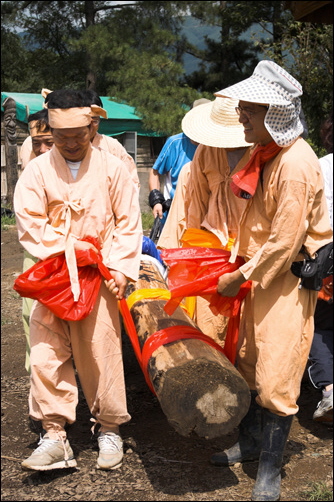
(244, 182)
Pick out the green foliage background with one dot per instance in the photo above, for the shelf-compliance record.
(134, 52)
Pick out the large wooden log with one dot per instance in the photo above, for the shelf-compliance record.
(199, 390)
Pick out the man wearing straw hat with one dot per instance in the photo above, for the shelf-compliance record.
(286, 210)
(202, 199)
(74, 191)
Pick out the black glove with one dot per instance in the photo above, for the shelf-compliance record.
(155, 197)
(166, 205)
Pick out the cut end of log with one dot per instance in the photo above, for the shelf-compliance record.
(210, 407)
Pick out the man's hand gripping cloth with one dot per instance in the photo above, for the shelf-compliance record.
(48, 281)
(194, 271)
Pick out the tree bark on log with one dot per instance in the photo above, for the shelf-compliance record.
(199, 390)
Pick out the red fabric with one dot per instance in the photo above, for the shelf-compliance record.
(48, 282)
(195, 272)
(322, 294)
(172, 334)
(244, 182)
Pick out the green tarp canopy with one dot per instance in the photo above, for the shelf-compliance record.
(121, 117)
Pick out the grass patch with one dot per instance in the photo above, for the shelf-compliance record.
(7, 221)
(147, 220)
(319, 491)
(4, 321)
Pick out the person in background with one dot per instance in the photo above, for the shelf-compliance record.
(175, 226)
(71, 192)
(177, 151)
(40, 139)
(283, 186)
(321, 354)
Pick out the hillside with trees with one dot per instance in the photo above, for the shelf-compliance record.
(136, 52)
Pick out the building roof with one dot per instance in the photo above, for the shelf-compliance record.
(121, 117)
(313, 12)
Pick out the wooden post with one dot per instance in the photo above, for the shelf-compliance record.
(199, 390)
(10, 148)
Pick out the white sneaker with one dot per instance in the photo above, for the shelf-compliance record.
(50, 454)
(324, 411)
(111, 450)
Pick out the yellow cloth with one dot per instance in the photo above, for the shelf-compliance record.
(203, 238)
(155, 294)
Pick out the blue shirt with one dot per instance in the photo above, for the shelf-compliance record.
(177, 151)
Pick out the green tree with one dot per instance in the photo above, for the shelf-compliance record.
(13, 71)
(143, 70)
(232, 57)
(134, 52)
(307, 53)
(50, 29)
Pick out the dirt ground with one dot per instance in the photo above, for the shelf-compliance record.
(159, 464)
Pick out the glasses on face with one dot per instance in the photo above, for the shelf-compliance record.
(248, 113)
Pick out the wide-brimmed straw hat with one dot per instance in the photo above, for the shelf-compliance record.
(272, 85)
(215, 124)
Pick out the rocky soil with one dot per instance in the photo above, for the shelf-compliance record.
(158, 464)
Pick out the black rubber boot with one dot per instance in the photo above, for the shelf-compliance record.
(249, 442)
(275, 434)
(36, 426)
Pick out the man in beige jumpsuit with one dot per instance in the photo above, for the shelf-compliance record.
(73, 191)
(202, 198)
(286, 209)
(40, 141)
